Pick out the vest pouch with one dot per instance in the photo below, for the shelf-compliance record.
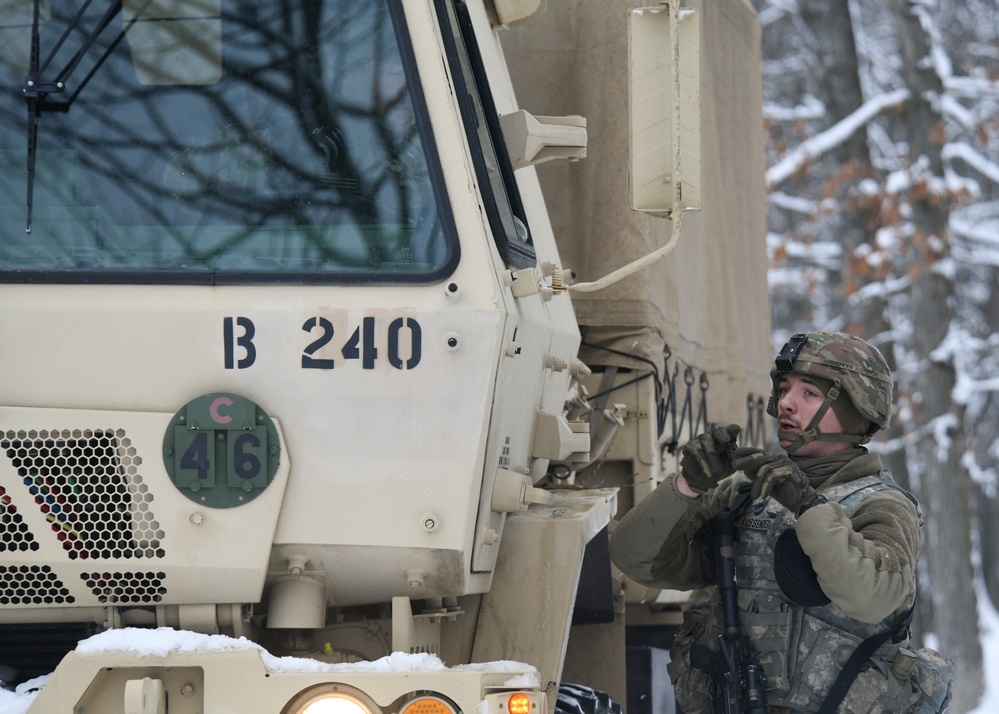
(876, 690)
(879, 689)
(932, 676)
(771, 625)
(694, 659)
(822, 653)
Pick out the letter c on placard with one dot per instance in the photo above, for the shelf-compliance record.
(214, 410)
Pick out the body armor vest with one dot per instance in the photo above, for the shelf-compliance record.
(802, 649)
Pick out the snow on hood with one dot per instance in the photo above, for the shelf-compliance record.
(165, 641)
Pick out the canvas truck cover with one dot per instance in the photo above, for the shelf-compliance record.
(707, 303)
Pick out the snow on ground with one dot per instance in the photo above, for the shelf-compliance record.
(989, 627)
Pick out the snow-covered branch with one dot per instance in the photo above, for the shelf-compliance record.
(956, 111)
(880, 289)
(797, 204)
(777, 9)
(973, 87)
(936, 427)
(810, 108)
(972, 157)
(832, 137)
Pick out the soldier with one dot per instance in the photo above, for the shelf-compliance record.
(825, 553)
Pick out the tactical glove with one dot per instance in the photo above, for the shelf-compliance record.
(776, 476)
(707, 459)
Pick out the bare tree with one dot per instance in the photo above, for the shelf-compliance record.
(926, 369)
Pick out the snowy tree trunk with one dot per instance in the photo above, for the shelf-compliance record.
(983, 433)
(927, 375)
(944, 489)
(838, 81)
(988, 536)
(838, 86)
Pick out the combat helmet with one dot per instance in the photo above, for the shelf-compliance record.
(853, 365)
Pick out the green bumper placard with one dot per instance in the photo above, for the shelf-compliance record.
(221, 450)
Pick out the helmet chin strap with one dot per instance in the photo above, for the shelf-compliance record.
(812, 433)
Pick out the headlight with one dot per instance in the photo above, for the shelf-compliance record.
(331, 699)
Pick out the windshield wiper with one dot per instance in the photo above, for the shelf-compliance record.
(36, 92)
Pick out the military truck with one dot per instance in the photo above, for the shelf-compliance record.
(333, 330)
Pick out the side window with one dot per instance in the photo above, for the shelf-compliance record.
(503, 206)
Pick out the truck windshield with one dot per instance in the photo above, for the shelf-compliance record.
(215, 141)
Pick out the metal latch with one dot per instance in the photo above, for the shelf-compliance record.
(550, 280)
(513, 491)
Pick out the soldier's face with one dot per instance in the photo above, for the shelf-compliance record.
(798, 399)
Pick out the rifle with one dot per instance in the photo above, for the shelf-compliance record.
(742, 682)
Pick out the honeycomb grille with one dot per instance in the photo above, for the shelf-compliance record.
(126, 588)
(31, 585)
(14, 533)
(88, 486)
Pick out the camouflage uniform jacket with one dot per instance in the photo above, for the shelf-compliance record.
(863, 545)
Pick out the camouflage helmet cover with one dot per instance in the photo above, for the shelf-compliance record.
(859, 368)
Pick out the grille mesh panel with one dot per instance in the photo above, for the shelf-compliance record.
(14, 533)
(88, 486)
(126, 588)
(31, 585)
